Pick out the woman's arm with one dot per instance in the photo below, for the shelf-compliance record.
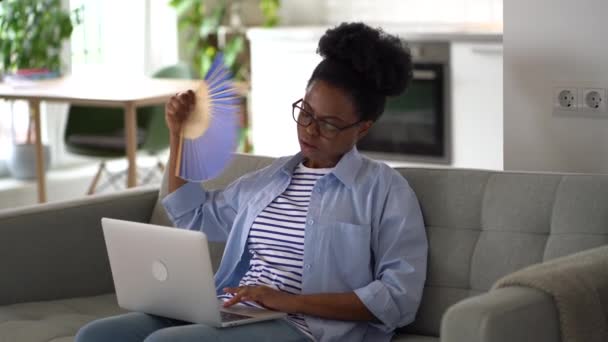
(174, 181)
(339, 306)
(177, 110)
(400, 250)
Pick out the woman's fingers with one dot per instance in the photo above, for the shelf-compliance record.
(241, 294)
(191, 96)
(237, 298)
(187, 95)
(178, 109)
(171, 110)
(184, 100)
(187, 98)
(185, 104)
(232, 301)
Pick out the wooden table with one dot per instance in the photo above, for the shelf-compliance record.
(96, 91)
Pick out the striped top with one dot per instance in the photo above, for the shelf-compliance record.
(276, 240)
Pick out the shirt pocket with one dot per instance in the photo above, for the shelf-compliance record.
(349, 251)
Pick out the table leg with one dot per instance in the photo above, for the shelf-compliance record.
(40, 174)
(131, 136)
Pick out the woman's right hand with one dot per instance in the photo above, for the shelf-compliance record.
(178, 109)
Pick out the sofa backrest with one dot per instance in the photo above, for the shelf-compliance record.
(481, 225)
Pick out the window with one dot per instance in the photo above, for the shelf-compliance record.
(116, 38)
(110, 39)
(86, 37)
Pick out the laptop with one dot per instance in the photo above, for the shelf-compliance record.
(167, 272)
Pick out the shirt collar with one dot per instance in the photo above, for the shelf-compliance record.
(346, 170)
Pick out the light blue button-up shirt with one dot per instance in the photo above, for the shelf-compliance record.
(364, 233)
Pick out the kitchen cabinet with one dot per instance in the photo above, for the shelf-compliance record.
(282, 61)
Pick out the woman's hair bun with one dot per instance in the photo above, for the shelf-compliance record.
(383, 60)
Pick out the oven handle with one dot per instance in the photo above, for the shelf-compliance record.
(425, 75)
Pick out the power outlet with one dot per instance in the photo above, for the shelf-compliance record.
(593, 100)
(565, 98)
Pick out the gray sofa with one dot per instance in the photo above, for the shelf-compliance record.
(481, 226)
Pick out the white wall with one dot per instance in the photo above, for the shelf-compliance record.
(319, 12)
(551, 43)
(411, 11)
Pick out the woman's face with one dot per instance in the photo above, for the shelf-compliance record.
(331, 105)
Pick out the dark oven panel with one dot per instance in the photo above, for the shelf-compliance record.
(413, 125)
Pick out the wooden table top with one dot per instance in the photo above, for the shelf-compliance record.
(104, 91)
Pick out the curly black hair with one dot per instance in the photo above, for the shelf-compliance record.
(367, 63)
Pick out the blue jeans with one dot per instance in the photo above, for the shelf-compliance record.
(140, 327)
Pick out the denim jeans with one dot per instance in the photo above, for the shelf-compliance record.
(138, 327)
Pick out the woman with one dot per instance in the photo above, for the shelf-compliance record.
(328, 236)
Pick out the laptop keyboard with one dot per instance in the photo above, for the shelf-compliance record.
(231, 317)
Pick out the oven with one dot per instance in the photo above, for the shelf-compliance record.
(415, 126)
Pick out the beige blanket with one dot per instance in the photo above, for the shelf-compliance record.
(578, 284)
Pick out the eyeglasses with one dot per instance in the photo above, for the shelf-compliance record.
(305, 118)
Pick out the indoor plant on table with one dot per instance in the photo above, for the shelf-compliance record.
(31, 36)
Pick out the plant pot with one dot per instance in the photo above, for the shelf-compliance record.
(22, 164)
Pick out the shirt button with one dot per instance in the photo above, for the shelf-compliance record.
(307, 266)
(311, 221)
(318, 190)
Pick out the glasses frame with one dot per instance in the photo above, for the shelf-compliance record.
(339, 130)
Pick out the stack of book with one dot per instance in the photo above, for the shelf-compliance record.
(29, 76)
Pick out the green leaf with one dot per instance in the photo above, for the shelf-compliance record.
(36, 30)
(206, 60)
(182, 7)
(174, 3)
(270, 11)
(233, 49)
(211, 23)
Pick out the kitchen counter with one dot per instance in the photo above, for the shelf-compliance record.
(428, 32)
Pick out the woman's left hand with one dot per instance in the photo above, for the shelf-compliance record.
(263, 295)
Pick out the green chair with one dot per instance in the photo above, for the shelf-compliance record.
(99, 132)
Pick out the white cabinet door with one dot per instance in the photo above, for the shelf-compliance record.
(279, 72)
(477, 105)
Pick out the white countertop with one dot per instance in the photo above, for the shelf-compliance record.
(469, 32)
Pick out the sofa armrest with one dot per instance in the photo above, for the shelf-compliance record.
(502, 315)
(57, 250)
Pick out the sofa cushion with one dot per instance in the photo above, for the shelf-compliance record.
(59, 320)
(579, 219)
(56, 321)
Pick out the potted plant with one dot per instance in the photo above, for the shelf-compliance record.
(31, 36)
(201, 22)
(210, 27)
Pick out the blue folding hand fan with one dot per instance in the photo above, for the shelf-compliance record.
(209, 135)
